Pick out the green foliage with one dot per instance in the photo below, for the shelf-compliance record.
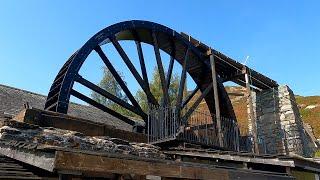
(317, 154)
(156, 90)
(109, 84)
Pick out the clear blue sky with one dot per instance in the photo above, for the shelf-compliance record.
(282, 38)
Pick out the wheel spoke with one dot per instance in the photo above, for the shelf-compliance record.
(182, 80)
(110, 96)
(142, 64)
(100, 106)
(169, 73)
(171, 63)
(189, 97)
(196, 104)
(133, 70)
(160, 69)
(117, 77)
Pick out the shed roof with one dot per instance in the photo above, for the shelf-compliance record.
(12, 101)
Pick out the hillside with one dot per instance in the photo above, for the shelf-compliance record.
(309, 109)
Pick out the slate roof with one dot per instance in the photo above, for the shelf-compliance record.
(12, 101)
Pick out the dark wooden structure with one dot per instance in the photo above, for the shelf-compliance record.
(53, 162)
(190, 53)
(185, 164)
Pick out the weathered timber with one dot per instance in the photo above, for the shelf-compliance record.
(38, 159)
(63, 121)
(192, 165)
(252, 118)
(87, 163)
(216, 97)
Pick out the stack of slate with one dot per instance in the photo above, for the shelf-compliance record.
(54, 137)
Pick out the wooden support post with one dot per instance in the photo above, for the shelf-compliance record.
(251, 112)
(216, 97)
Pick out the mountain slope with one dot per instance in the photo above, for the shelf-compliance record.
(309, 107)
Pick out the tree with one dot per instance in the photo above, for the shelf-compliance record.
(156, 90)
(109, 84)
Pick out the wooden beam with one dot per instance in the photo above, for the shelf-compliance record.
(133, 70)
(105, 165)
(196, 104)
(41, 160)
(110, 96)
(166, 99)
(117, 77)
(142, 64)
(169, 73)
(216, 98)
(189, 97)
(64, 121)
(102, 107)
(171, 63)
(182, 80)
(233, 77)
(251, 112)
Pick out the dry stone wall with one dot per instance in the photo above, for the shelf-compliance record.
(279, 124)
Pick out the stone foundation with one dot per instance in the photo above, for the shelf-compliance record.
(279, 125)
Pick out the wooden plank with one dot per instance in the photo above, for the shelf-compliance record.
(236, 158)
(38, 159)
(64, 121)
(87, 163)
(19, 177)
(106, 165)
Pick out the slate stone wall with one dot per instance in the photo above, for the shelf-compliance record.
(279, 124)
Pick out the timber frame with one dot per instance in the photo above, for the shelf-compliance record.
(183, 164)
(191, 54)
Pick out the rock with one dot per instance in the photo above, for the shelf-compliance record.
(119, 141)
(9, 130)
(55, 137)
(312, 106)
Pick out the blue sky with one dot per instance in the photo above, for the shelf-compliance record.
(282, 38)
